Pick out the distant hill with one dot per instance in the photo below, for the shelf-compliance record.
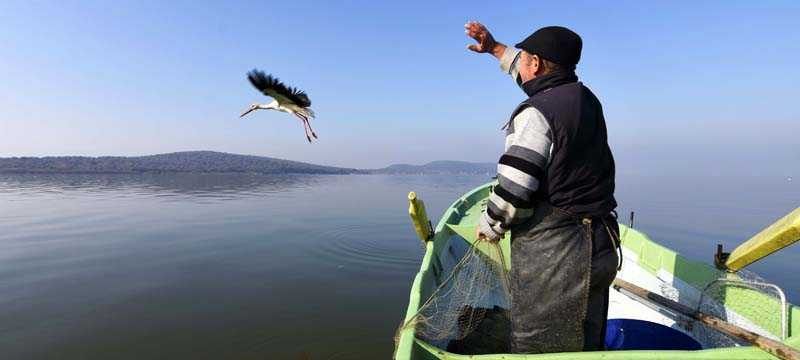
(187, 161)
(218, 162)
(439, 167)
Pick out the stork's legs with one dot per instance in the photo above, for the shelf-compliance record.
(306, 127)
(312, 130)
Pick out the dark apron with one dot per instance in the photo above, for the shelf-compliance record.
(561, 268)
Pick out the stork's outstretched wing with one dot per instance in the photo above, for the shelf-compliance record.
(274, 88)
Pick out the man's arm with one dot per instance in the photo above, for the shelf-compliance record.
(508, 63)
(486, 43)
(527, 150)
(519, 172)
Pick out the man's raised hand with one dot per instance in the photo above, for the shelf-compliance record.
(485, 40)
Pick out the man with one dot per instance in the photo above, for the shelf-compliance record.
(555, 194)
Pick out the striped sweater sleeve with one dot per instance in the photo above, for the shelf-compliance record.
(521, 167)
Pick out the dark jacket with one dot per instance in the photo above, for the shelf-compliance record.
(580, 174)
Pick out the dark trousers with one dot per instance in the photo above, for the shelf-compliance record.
(561, 269)
(604, 270)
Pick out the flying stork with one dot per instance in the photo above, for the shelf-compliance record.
(285, 98)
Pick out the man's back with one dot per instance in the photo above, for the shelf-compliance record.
(580, 174)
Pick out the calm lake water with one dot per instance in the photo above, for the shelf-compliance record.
(283, 267)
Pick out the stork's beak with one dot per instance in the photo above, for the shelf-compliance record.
(248, 111)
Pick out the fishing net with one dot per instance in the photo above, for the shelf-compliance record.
(467, 313)
(750, 303)
(743, 299)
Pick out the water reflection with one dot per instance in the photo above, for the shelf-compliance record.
(210, 266)
(219, 186)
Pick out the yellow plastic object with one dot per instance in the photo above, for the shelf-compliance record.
(416, 209)
(779, 235)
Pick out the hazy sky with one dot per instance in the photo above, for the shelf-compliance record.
(708, 87)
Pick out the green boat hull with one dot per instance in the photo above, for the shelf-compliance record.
(646, 260)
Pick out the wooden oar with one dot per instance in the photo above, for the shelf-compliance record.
(773, 347)
(779, 235)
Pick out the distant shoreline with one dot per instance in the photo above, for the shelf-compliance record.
(211, 162)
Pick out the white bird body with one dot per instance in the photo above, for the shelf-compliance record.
(288, 108)
(285, 99)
